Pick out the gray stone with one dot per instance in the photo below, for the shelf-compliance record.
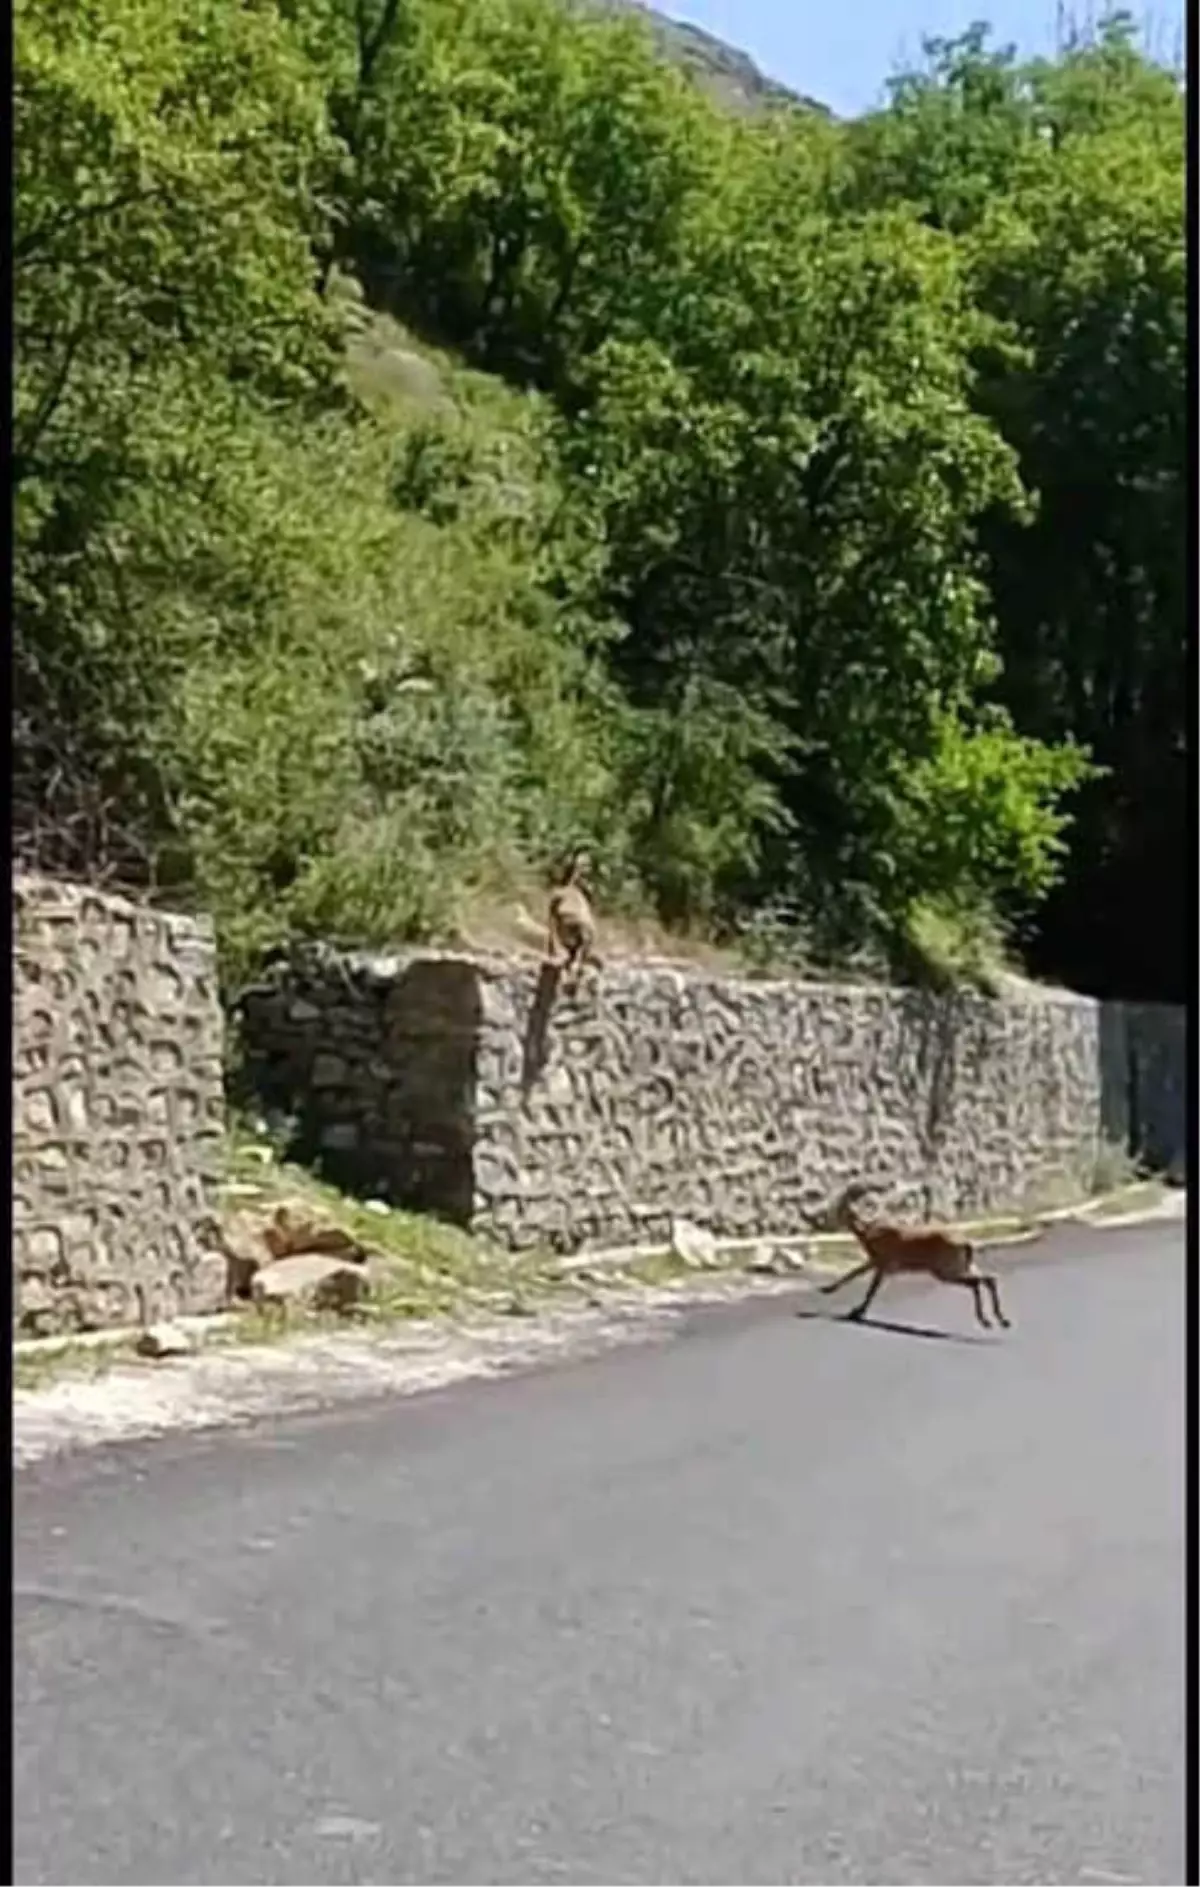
(761, 1260)
(165, 1340)
(328, 1071)
(39, 1112)
(692, 1243)
(209, 1283)
(44, 1248)
(325, 1283)
(341, 1136)
(776, 1261)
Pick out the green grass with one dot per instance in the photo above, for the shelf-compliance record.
(421, 1266)
(38, 1370)
(1136, 1197)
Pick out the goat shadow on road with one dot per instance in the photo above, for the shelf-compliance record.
(891, 1328)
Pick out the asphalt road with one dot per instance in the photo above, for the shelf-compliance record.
(782, 1600)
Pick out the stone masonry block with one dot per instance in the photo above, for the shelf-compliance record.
(117, 1101)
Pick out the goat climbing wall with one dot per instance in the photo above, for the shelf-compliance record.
(118, 1111)
(477, 1089)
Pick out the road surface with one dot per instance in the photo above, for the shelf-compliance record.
(782, 1600)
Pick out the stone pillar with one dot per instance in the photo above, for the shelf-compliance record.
(118, 1111)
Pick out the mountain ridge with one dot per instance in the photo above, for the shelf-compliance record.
(724, 71)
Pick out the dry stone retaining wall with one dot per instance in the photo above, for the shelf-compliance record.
(480, 1090)
(118, 1111)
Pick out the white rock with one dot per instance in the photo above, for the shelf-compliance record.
(693, 1243)
(163, 1340)
(777, 1260)
(326, 1283)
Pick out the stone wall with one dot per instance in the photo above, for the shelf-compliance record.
(118, 1111)
(1144, 1062)
(482, 1090)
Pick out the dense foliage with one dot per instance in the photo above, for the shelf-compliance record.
(798, 515)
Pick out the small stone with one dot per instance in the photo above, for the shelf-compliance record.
(325, 1283)
(557, 1085)
(35, 1298)
(774, 1261)
(209, 1282)
(328, 1071)
(341, 1136)
(165, 1340)
(45, 1248)
(692, 1243)
(38, 1112)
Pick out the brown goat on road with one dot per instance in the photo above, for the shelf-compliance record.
(930, 1251)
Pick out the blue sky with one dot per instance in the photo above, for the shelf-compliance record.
(842, 51)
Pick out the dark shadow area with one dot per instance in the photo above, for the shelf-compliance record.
(1143, 1082)
(888, 1325)
(373, 1068)
(535, 1047)
(935, 1018)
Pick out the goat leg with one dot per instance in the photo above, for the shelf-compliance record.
(856, 1315)
(846, 1277)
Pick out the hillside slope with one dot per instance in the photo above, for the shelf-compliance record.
(723, 71)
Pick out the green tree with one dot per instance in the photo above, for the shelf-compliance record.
(1063, 181)
(255, 665)
(956, 130)
(523, 174)
(1087, 270)
(330, 635)
(169, 158)
(791, 539)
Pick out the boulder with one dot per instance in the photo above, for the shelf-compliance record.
(313, 1279)
(253, 1241)
(692, 1243)
(164, 1340)
(293, 1229)
(777, 1261)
